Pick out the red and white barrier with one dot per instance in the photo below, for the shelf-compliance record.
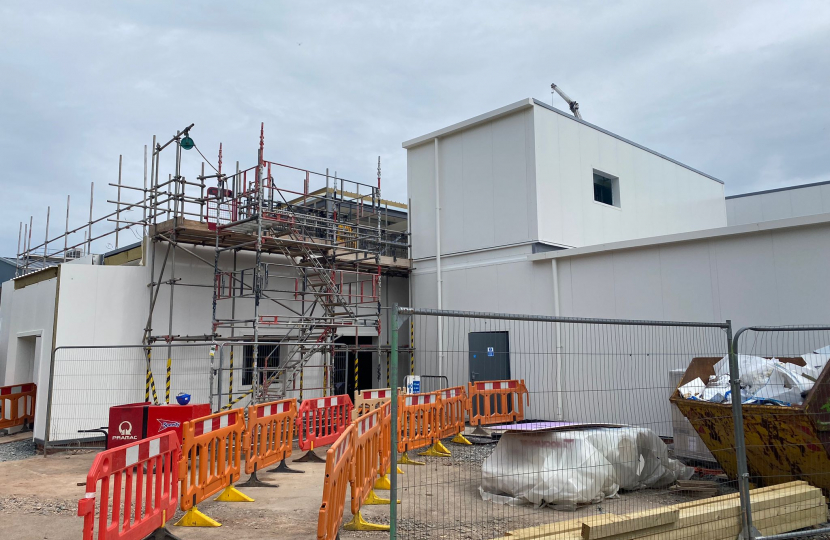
(132, 490)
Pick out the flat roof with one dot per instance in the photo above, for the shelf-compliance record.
(776, 190)
(748, 228)
(527, 103)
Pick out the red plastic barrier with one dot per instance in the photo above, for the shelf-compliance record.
(139, 489)
(320, 421)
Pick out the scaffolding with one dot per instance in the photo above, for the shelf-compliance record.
(315, 266)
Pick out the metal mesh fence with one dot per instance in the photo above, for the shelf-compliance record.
(594, 437)
(87, 381)
(785, 382)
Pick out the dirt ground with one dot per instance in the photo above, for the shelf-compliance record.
(439, 500)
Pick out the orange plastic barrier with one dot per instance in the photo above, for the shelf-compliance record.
(17, 405)
(453, 414)
(320, 421)
(368, 400)
(269, 435)
(138, 486)
(385, 458)
(419, 418)
(364, 470)
(211, 461)
(496, 402)
(338, 471)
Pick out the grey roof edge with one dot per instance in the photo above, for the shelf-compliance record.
(623, 139)
(529, 102)
(491, 115)
(692, 236)
(122, 249)
(775, 190)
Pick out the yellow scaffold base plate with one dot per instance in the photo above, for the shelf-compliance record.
(406, 460)
(194, 518)
(372, 498)
(435, 451)
(231, 494)
(382, 483)
(359, 524)
(461, 439)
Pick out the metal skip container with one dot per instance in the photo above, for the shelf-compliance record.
(782, 443)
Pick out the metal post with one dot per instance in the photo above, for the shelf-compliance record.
(146, 200)
(118, 203)
(66, 234)
(46, 240)
(393, 367)
(29, 244)
(17, 258)
(747, 532)
(89, 227)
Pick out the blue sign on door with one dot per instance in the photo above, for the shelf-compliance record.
(490, 351)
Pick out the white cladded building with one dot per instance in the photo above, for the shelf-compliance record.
(527, 209)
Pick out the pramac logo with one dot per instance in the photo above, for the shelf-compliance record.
(125, 430)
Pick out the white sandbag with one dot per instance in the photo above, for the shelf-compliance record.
(546, 468)
(577, 467)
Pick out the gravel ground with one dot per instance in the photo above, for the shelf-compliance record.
(17, 450)
(38, 505)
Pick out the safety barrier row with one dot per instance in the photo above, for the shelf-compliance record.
(321, 421)
(133, 489)
(17, 405)
(338, 473)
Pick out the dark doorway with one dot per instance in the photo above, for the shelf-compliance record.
(344, 364)
(268, 358)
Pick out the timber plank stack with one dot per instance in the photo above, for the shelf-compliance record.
(775, 509)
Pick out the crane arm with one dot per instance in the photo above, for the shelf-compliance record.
(572, 105)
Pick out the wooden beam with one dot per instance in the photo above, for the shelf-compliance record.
(642, 520)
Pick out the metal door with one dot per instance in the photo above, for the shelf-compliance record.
(489, 361)
(489, 356)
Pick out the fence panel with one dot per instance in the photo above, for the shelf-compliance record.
(785, 386)
(592, 442)
(87, 381)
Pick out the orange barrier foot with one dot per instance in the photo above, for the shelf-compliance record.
(254, 481)
(359, 524)
(310, 457)
(162, 533)
(284, 468)
(194, 518)
(382, 483)
(434, 451)
(231, 494)
(406, 460)
(461, 439)
(373, 499)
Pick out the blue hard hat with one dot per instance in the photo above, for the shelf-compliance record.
(183, 398)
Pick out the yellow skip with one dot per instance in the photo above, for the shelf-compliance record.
(231, 494)
(461, 439)
(406, 460)
(194, 518)
(359, 524)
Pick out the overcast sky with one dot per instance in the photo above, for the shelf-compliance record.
(738, 90)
